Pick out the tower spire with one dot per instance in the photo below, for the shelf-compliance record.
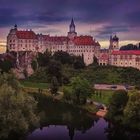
(72, 22)
(72, 26)
(72, 33)
(15, 26)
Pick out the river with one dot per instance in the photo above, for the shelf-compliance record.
(60, 121)
(63, 132)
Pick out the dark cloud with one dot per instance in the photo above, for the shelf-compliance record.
(61, 10)
(45, 12)
(106, 31)
(133, 18)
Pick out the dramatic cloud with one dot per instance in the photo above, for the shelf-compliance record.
(53, 17)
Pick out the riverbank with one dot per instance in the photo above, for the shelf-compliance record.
(90, 107)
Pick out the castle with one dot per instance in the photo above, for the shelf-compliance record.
(27, 43)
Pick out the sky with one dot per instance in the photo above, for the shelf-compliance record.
(99, 18)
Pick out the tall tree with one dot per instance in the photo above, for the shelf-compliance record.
(43, 59)
(63, 57)
(79, 63)
(6, 65)
(55, 70)
(116, 105)
(79, 90)
(132, 111)
(17, 109)
(54, 86)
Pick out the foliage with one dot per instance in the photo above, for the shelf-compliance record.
(34, 65)
(63, 57)
(93, 74)
(95, 61)
(17, 109)
(102, 96)
(79, 63)
(78, 91)
(6, 65)
(54, 86)
(39, 75)
(132, 112)
(64, 67)
(68, 93)
(55, 70)
(43, 59)
(130, 47)
(10, 80)
(117, 104)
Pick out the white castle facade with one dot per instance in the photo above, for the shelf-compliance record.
(27, 41)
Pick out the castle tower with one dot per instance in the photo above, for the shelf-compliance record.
(72, 33)
(72, 26)
(114, 43)
(15, 27)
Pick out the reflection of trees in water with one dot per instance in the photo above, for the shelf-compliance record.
(58, 113)
(117, 132)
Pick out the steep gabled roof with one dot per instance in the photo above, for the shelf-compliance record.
(26, 35)
(84, 40)
(126, 52)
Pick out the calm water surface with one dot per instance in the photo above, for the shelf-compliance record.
(61, 121)
(59, 132)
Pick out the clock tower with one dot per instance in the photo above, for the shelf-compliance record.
(114, 43)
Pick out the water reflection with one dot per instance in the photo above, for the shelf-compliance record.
(63, 121)
(61, 132)
(60, 121)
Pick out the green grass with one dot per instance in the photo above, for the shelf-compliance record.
(102, 96)
(34, 84)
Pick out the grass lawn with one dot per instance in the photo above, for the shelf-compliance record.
(34, 85)
(102, 96)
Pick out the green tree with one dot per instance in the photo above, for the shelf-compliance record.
(6, 65)
(43, 59)
(10, 80)
(54, 86)
(79, 90)
(17, 109)
(34, 65)
(95, 61)
(132, 111)
(39, 75)
(117, 104)
(79, 63)
(68, 93)
(55, 70)
(63, 57)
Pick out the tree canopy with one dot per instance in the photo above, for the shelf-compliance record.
(17, 109)
(117, 104)
(132, 111)
(78, 91)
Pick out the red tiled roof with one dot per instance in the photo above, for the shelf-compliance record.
(126, 52)
(26, 35)
(84, 40)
